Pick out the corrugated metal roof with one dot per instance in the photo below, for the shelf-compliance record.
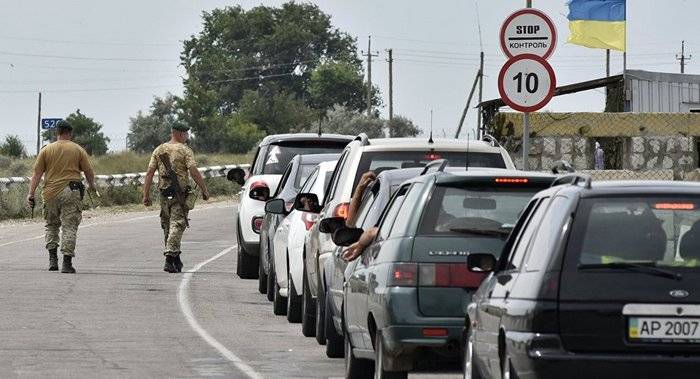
(652, 92)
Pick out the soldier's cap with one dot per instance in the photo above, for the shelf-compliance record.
(180, 126)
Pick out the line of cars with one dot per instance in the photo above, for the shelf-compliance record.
(459, 257)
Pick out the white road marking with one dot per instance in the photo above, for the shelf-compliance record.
(186, 310)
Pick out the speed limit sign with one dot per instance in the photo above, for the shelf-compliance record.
(526, 83)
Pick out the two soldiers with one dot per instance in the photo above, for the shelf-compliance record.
(62, 163)
(175, 163)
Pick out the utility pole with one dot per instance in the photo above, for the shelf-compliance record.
(479, 127)
(391, 88)
(682, 57)
(38, 127)
(477, 79)
(369, 56)
(526, 127)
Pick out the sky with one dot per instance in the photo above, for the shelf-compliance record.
(110, 58)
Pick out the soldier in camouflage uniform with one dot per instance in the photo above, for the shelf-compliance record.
(61, 163)
(173, 216)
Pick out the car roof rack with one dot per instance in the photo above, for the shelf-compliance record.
(574, 180)
(362, 137)
(491, 139)
(439, 163)
(562, 167)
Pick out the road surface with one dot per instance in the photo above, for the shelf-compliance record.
(122, 316)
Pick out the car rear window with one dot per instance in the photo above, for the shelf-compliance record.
(657, 231)
(485, 215)
(390, 160)
(279, 155)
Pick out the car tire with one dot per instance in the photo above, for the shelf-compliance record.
(380, 358)
(293, 301)
(320, 315)
(246, 265)
(271, 284)
(308, 309)
(471, 370)
(354, 367)
(262, 277)
(335, 347)
(279, 303)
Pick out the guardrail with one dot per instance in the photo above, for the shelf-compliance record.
(119, 180)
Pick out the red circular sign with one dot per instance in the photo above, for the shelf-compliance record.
(536, 34)
(527, 83)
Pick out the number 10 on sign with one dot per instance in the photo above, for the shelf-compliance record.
(526, 83)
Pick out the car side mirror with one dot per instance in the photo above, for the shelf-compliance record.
(276, 206)
(345, 236)
(481, 262)
(307, 202)
(236, 175)
(261, 193)
(331, 224)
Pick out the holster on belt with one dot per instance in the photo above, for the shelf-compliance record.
(77, 186)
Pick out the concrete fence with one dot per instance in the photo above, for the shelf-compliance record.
(118, 180)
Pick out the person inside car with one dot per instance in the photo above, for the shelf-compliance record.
(356, 201)
(690, 247)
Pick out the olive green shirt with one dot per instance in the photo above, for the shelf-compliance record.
(181, 159)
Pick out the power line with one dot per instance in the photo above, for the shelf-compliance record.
(101, 43)
(85, 58)
(259, 77)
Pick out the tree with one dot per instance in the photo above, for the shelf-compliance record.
(346, 121)
(13, 147)
(147, 131)
(272, 53)
(403, 127)
(86, 133)
(339, 83)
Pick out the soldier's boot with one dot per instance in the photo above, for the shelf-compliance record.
(177, 263)
(53, 260)
(169, 264)
(67, 267)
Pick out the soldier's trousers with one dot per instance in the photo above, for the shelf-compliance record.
(172, 220)
(63, 213)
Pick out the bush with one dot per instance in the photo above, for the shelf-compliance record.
(19, 169)
(13, 147)
(5, 162)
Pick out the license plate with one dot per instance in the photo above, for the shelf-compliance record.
(660, 329)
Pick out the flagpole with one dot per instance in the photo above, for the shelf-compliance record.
(624, 66)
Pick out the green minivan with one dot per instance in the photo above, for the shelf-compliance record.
(406, 296)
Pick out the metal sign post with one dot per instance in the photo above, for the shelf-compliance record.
(527, 82)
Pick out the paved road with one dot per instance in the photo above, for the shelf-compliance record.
(122, 316)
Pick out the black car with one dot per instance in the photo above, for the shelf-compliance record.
(597, 280)
(293, 177)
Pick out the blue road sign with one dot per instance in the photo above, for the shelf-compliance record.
(49, 123)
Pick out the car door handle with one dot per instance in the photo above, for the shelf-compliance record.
(507, 294)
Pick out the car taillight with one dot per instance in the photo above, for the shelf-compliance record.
(257, 224)
(512, 180)
(448, 275)
(403, 275)
(341, 210)
(434, 332)
(432, 157)
(309, 220)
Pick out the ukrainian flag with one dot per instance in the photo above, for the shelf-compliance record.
(598, 24)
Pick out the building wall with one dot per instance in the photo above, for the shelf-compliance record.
(662, 92)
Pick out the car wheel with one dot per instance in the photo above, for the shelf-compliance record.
(271, 284)
(320, 317)
(379, 361)
(308, 309)
(279, 303)
(293, 302)
(356, 368)
(334, 340)
(471, 370)
(246, 265)
(262, 277)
